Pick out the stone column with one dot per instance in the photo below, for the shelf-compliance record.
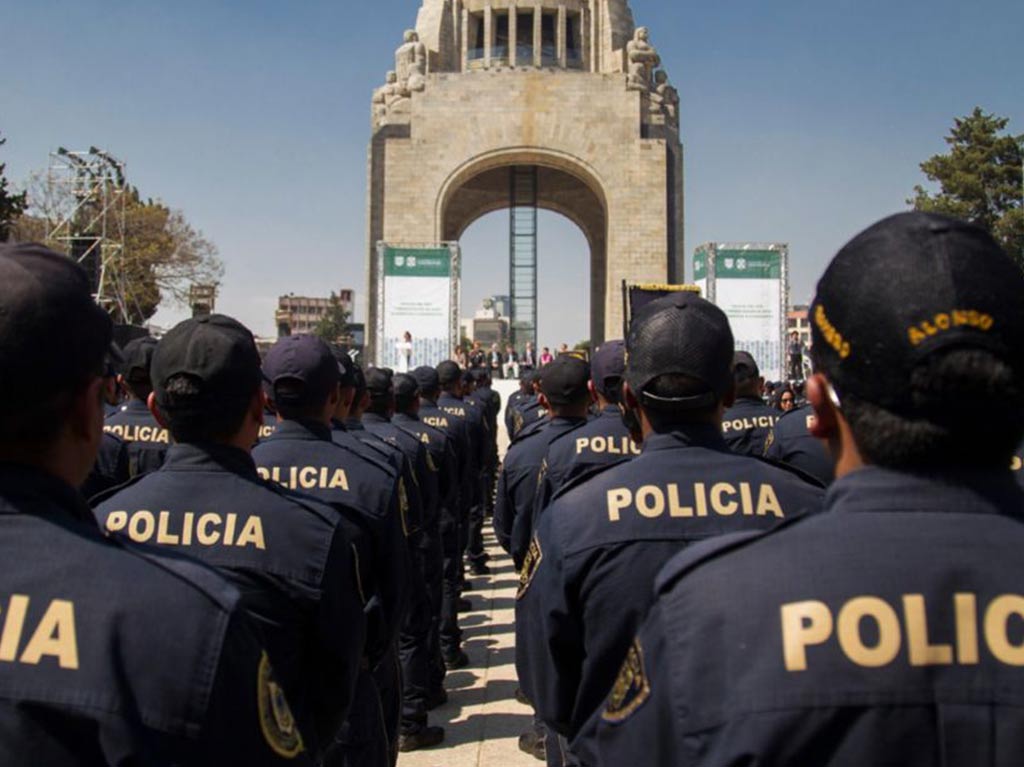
(464, 48)
(538, 47)
(488, 35)
(513, 35)
(560, 38)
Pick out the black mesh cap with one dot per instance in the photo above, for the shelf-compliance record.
(608, 365)
(406, 386)
(906, 287)
(564, 381)
(427, 378)
(305, 360)
(681, 334)
(448, 374)
(379, 382)
(744, 367)
(217, 352)
(346, 366)
(137, 358)
(53, 336)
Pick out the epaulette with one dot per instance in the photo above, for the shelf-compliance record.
(696, 554)
(796, 472)
(587, 475)
(529, 430)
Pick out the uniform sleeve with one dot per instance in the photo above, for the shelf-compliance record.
(549, 635)
(524, 492)
(394, 572)
(429, 479)
(341, 638)
(504, 511)
(248, 720)
(638, 717)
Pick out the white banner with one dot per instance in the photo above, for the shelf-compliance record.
(416, 307)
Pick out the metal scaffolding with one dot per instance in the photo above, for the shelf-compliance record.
(523, 255)
(92, 225)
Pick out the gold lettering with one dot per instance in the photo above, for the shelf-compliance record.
(162, 534)
(117, 521)
(700, 499)
(966, 629)
(768, 503)
(307, 477)
(675, 508)
(921, 652)
(140, 528)
(997, 619)
(803, 624)
(229, 529)
(263, 472)
(650, 501)
(339, 479)
(55, 637)
(852, 642)
(14, 624)
(746, 499)
(203, 534)
(618, 499)
(186, 529)
(252, 534)
(717, 491)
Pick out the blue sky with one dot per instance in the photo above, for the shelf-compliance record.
(802, 122)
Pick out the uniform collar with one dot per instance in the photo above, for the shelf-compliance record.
(19, 481)
(612, 410)
(304, 430)
(405, 418)
(353, 424)
(560, 422)
(374, 418)
(875, 489)
(135, 406)
(694, 435)
(206, 456)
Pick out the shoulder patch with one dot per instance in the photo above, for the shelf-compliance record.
(768, 442)
(403, 505)
(534, 556)
(276, 720)
(632, 687)
(431, 465)
(543, 472)
(587, 475)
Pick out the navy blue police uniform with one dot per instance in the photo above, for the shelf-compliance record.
(790, 442)
(527, 414)
(1017, 464)
(586, 582)
(147, 441)
(746, 426)
(290, 557)
(111, 467)
(889, 630)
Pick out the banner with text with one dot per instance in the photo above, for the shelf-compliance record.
(416, 306)
(749, 289)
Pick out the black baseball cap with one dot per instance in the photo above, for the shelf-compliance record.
(564, 381)
(681, 334)
(448, 373)
(909, 286)
(217, 352)
(608, 365)
(346, 367)
(137, 358)
(427, 378)
(744, 366)
(379, 382)
(406, 386)
(302, 359)
(53, 336)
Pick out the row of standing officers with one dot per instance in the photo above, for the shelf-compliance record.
(699, 584)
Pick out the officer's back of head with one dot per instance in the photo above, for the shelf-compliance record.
(606, 371)
(206, 382)
(135, 367)
(407, 394)
(918, 344)
(301, 379)
(429, 382)
(747, 376)
(381, 386)
(564, 387)
(54, 343)
(679, 365)
(449, 376)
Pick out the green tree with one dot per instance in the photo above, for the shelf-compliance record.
(11, 205)
(980, 179)
(333, 326)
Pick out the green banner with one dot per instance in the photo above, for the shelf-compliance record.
(748, 265)
(700, 265)
(417, 262)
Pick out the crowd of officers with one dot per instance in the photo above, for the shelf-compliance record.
(211, 558)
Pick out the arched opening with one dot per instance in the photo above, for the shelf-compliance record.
(564, 185)
(563, 265)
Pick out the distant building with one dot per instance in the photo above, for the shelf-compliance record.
(489, 325)
(202, 299)
(296, 315)
(796, 319)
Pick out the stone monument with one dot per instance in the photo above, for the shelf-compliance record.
(568, 88)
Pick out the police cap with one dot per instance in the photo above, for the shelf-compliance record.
(216, 352)
(346, 367)
(47, 306)
(744, 366)
(427, 378)
(448, 373)
(906, 287)
(305, 360)
(406, 387)
(681, 334)
(137, 357)
(379, 382)
(564, 381)
(608, 365)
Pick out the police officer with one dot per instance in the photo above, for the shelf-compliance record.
(888, 631)
(587, 578)
(111, 467)
(458, 388)
(792, 443)
(747, 423)
(442, 456)
(565, 395)
(147, 441)
(415, 645)
(515, 400)
(530, 411)
(302, 382)
(95, 668)
(290, 557)
(490, 401)
(457, 431)
(603, 440)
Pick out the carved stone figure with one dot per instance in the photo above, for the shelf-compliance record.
(394, 93)
(665, 98)
(643, 60)
(380, 100)
(411, 63)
